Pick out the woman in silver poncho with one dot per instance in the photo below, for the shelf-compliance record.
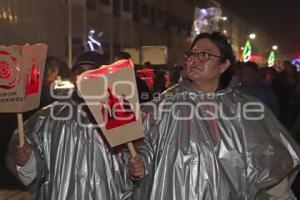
(206, 140)
(70, 159)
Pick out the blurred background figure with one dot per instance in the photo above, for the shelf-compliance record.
(163, 80)
(50, 75)
(86, 61)
(51, 69)
(143, 91)
(147, 74)
(122, 55)
(55, 71)
(286, 87)
(268, 74)
(168, 77)
(253, 85)
(64, 71)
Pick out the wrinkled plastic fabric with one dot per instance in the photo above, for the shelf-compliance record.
(220, 159)
(73, 161)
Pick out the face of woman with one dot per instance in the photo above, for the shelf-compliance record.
(203, 62)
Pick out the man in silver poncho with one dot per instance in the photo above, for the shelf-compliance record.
(205, 140)
(66, 157)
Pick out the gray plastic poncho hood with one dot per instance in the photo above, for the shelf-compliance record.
(73, 161)
(213, 147)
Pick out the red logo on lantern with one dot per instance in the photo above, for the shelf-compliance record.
(5, 71)
(33, 79)
(117, 112)
(9, 71)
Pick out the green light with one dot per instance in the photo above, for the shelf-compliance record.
(271, 59)
(247, 51)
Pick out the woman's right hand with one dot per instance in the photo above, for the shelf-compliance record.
(22, 154)
(136, 166)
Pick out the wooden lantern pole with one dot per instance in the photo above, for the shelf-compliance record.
(131, 149)
(21, 129)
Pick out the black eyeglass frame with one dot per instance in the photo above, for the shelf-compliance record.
(210, 55)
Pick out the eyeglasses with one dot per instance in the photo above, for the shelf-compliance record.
(203, 55)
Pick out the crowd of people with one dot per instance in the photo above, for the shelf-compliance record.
(279, 90)
(222, 131)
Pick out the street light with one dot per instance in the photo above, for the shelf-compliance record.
(224, 18)
(252, 36)
(274, 47)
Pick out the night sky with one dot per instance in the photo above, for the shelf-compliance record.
(280, 19)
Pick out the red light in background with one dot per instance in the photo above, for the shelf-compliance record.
(256, 58)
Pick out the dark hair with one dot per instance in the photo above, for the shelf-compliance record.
(88, 60)
(250, 65)
(226, 52)
(52, 62)
(84, 61)
(147, 63)
(91, 58)
(64, 71)
(122, 55)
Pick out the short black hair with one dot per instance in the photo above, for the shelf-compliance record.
(226, 51)
(84, 61)
(250, 65)
(147, 63)
(90, 58)
(122, 55)
(52, 62)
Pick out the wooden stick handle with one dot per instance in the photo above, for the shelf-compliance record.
(131, 149)
(21, 130)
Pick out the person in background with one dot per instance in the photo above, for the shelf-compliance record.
(207, 140)
(169, 79)
(51, 72)
(267, 74)
(163, 80)
(64, 71)
(122, 55)
(287, 89)
(147, 74)
(253, 85)
(144, 93)
(65, 156)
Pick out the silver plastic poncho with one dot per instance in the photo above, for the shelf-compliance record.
(218, 146)
(73, 161)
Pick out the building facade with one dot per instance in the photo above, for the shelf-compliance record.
(124, 23)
